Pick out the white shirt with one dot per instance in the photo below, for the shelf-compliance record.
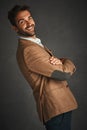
(35, 40)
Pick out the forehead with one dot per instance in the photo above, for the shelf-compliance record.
(22, 14)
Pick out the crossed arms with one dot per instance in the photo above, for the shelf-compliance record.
(40, 62)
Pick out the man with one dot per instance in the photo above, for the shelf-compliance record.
(46, 74)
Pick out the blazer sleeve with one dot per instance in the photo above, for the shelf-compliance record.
(37, 61)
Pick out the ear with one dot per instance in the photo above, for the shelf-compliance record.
(15, 28)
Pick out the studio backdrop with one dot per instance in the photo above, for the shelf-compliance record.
(61, 25)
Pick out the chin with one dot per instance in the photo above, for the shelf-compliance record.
(33, 34)
(26, 34)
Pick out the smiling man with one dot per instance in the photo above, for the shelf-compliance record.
(25, 24)
(46, 74)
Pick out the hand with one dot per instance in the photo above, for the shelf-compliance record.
(55, 61)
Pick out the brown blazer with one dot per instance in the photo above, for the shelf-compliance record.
(52, 94)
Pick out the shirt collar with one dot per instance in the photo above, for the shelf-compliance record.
(35, 40)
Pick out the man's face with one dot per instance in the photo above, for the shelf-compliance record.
(25, 24)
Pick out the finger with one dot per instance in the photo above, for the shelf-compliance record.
(54, 61)
(51, 58)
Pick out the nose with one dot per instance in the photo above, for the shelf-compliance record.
(28, 22)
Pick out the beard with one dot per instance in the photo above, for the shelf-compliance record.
(26, 32)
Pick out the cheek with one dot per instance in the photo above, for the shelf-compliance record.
(23, 26)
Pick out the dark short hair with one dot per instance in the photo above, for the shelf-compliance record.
(14, 11)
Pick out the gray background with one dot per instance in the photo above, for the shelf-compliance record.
(61, 25)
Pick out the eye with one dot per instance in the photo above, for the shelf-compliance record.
(30, 17)
(21, 22)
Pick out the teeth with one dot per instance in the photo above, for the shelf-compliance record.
(29, 28)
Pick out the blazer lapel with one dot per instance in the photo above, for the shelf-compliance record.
(26, 42)
(48, 50)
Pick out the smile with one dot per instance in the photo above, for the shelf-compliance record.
(30, 28)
